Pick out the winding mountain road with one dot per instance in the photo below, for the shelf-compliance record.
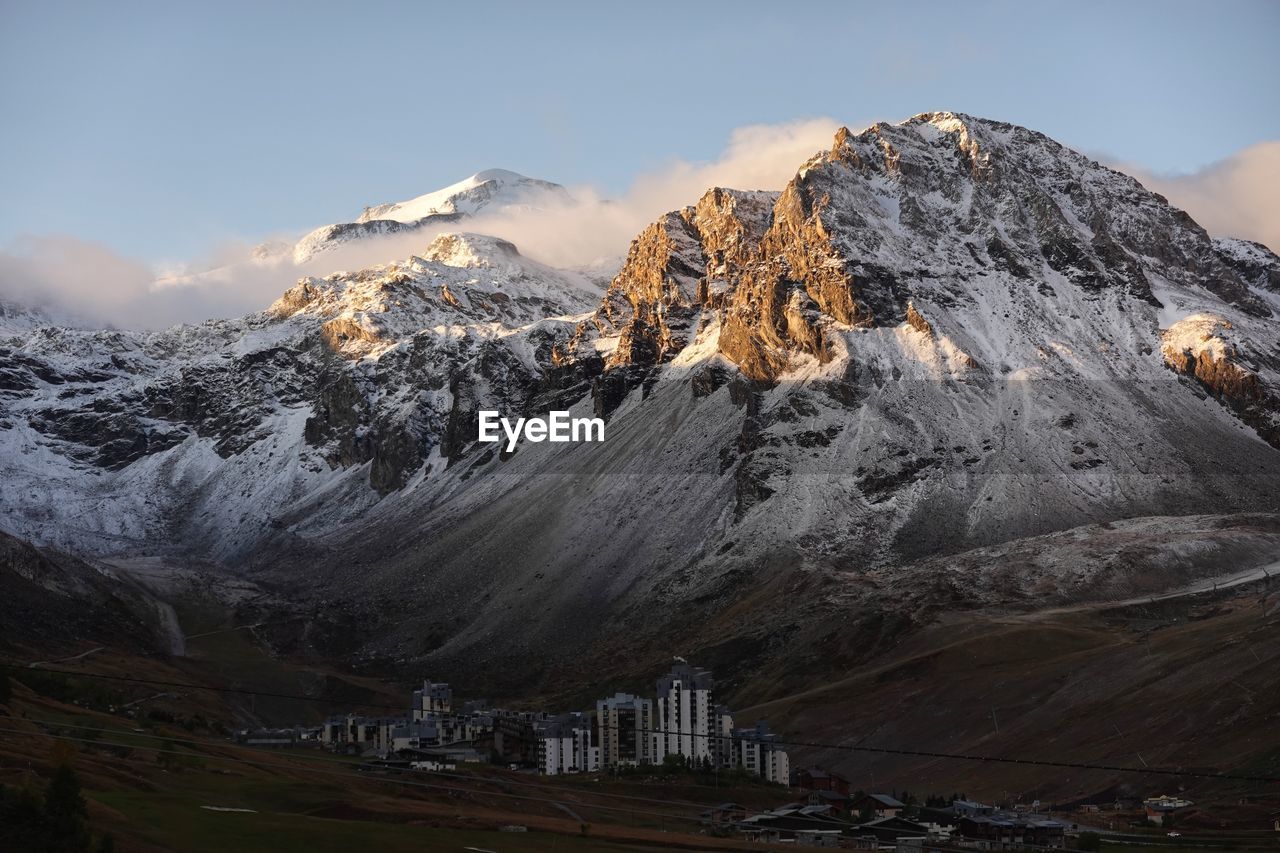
(1214, 584)
(81, 656)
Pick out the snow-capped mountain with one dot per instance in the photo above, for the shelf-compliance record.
(111, 436)
(492, 188)
(492, 191)
(942, 335)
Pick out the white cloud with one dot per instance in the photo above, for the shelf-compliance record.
(1236, 197)
(100, 286)
(90, 284)
(759, 157)
(83, 279)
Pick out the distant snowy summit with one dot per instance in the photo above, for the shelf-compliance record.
(497, 188)
(490, 191)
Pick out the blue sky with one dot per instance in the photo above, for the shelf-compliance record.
(160, 129)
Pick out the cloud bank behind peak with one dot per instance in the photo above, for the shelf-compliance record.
(1235, 197)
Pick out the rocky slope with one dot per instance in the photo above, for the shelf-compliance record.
(212, 436)
(942, 335)
(45, 594)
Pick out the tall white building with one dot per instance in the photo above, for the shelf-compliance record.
(723, 746)
(433, 700)
(566, 745)
(685, 715)
(625, 723)
(758, 752)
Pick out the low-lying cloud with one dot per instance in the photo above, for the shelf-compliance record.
(91, 283)
(760, 157)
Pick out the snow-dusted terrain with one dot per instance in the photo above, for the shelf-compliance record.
(490, 188)
(491, 191)
(206, 436)
(943, 335)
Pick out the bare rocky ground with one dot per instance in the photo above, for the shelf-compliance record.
(1185, 683)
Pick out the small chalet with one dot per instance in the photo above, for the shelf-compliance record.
(1001, 833)
(890, 829)
(817, 779)
(809, 825)
(940, 822)
(1161, 810)
(879, 805)
(839, 802)
(725, 813)
(969, 808)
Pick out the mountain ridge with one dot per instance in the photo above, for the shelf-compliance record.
(942, 335)
(492, 190)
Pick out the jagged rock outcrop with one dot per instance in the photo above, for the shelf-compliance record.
(684, 261)
(1208, 349)
(1255, 263)
(687, 261)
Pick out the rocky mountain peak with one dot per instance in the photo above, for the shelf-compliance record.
(459, 279)
(688, 259)
(471, 251)
(942, 211)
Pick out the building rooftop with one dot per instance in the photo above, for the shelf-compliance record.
(830, 795)
(690, 677)
(887, 801)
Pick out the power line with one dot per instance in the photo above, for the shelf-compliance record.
(56, 724)
(559, 802)
(435, 773)
(189, 686)
(409, 782)
(910, 753)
